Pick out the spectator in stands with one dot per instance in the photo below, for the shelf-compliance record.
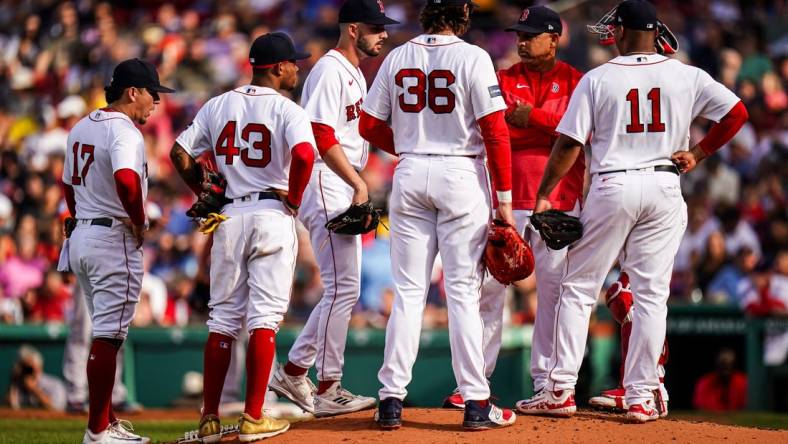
(712, 260)
(730, 283)
(738, 232)
(31, 387)
(724, 389)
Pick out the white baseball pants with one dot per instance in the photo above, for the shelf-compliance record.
(108, 267)
(549, 268)
(322, 341)
(642, 213)
(438, 203)
(252, 265)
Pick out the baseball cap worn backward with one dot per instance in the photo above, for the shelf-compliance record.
(137, 73)
(536, 20)
(270, 49)
(639, 15)
(370, 12)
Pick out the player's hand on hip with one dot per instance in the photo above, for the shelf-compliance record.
(504, 213)
(519, 115)
(542, 205)
(139, 233)
(686, 161)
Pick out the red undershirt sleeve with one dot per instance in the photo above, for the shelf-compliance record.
(499, 151)
(127, 183)
(723, 131)
(377, 132)
(303, 156)
(71, 202)
(324, 137)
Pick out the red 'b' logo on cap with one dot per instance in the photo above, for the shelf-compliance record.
(525, 15)
(380, 3)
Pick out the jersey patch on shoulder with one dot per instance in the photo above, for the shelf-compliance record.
(495, 91)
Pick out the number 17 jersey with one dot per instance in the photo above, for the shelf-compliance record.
(251, 131)
(434, 88)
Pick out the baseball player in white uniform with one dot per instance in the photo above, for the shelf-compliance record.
(264, 147)
(332, 97)
(636, 111)
(105, 181)
(445, 106)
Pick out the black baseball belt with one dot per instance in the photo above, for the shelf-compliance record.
(661, 168)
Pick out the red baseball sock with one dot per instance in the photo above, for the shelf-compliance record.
(101, 378)
(259, 358)
(216, 361)
(322, 386)
(294, 370)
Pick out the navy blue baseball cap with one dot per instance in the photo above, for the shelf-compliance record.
(536, 20)
(270, 49)
(139, 74)
(639, 15)
(370, 12)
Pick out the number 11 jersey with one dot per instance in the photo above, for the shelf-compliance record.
(434, 88)
(251, 131)
(637, 110)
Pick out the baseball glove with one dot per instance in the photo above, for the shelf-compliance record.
(507, 256)
(211, 198)
(557, 229)
(358, 219)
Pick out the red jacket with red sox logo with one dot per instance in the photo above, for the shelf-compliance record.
(549, 93)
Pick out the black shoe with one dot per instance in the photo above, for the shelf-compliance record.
(389, 414)
(478, 417)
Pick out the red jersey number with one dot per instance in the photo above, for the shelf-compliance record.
(635, 125)
(78, 177)
(427, 90)
(225, 144)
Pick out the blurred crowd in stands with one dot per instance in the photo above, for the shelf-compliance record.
(56, 57)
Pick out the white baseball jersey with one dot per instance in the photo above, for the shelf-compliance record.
(434, 88)
(333, 93)
(99, 144)
(636, 107)
(251, 131)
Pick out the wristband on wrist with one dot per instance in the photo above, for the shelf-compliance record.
(504, 196)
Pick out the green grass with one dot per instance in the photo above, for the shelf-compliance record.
(70, 431)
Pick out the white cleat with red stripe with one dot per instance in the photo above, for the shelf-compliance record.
(559, 403)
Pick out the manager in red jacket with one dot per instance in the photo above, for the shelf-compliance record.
(537, 92)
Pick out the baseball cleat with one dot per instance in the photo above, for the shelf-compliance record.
(389, 414)
(612, 400)
(643, 412)
(454, 401)
(338, 401)
(210, 431)
(489, 416)
(559, 403)
(298, 389)
(119, 432)
(250, 429)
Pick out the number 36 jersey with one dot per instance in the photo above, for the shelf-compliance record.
(637, 110)
(251, 131)
(434, 88)
(100, 144)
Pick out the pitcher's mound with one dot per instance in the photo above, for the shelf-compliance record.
(422, 426)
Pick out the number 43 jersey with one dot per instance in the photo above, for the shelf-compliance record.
(637, 110)
(251, 131)
(100, 144)
(434, 88)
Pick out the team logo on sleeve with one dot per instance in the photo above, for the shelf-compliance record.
(555, 88)
(495, 91)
